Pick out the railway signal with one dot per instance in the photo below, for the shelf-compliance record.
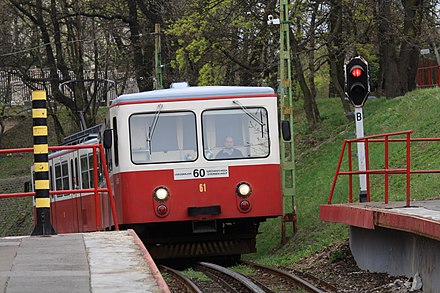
(357, 81)
(357, 89)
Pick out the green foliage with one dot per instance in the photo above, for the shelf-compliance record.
(217, 41)
(368, 52)
(336, 255)
(243, 269)
(190, 273)
(211, 74)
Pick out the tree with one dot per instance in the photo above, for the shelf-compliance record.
(336, 54)
(399, 41)
(225, 42)
(70, 54)
(306, 23)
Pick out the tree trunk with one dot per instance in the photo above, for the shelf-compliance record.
(310, 106)
(311, 52)
(398, 69)
(336, 57)
(142, 74)
(409, 52)
(388, 52)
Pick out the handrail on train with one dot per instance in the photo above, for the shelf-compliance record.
(385, 138)
(96, 190)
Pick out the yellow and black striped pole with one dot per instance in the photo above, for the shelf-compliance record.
(41, 164)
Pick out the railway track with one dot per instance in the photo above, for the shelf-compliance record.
(263, 279)
(185, 285)
(305, 281)
(230, 280)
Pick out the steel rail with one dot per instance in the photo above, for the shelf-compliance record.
(244, 281)
(292, 278)
(185, 281)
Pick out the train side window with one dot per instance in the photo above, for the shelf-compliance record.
(115, 141)
(100, 168)
(51, 186)
(76, 186)
(91, 169)
(85, 173)
(62, 176)
(247, 128)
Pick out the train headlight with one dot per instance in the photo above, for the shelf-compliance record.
(243, 189)
(161, 194)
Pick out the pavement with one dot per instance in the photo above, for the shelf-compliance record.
(113, 261)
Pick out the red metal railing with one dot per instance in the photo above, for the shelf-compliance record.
(428, 76)
(95, 190)
(385, 138)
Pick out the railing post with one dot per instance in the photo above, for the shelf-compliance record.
(386, 168)
(367, 168)
(408, 168)
(41, 164)
(98, 218)
(350, 176)
(341, 156)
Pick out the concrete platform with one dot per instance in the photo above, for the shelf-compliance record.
(421, 218)
(90, 262)
(393, 238)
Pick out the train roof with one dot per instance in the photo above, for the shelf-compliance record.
(200, 92)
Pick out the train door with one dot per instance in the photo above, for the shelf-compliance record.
(53, 206)
(64, 213)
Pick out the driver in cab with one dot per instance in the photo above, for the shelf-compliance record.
(229, 152)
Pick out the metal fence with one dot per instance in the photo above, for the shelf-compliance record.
(14, 91)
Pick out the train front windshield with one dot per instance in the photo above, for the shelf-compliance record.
(235, 133)
(162, 137)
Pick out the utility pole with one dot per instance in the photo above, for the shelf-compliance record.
(158, 84)
(286, 103)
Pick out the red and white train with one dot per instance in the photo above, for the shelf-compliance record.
(194, 170)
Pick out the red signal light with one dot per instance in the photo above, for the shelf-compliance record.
(356, 72)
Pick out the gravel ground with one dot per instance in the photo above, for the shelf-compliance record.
(336, 265)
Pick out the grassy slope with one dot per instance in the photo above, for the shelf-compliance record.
(16, 214)
(316, 159)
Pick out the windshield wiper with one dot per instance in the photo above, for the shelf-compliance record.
(153, 126)
(248, 113)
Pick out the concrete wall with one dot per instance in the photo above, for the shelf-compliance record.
(397, 253)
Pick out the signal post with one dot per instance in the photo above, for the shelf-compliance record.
(357, 89)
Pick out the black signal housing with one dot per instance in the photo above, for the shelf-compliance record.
(357, 81)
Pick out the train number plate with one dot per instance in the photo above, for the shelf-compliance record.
(198, 173)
